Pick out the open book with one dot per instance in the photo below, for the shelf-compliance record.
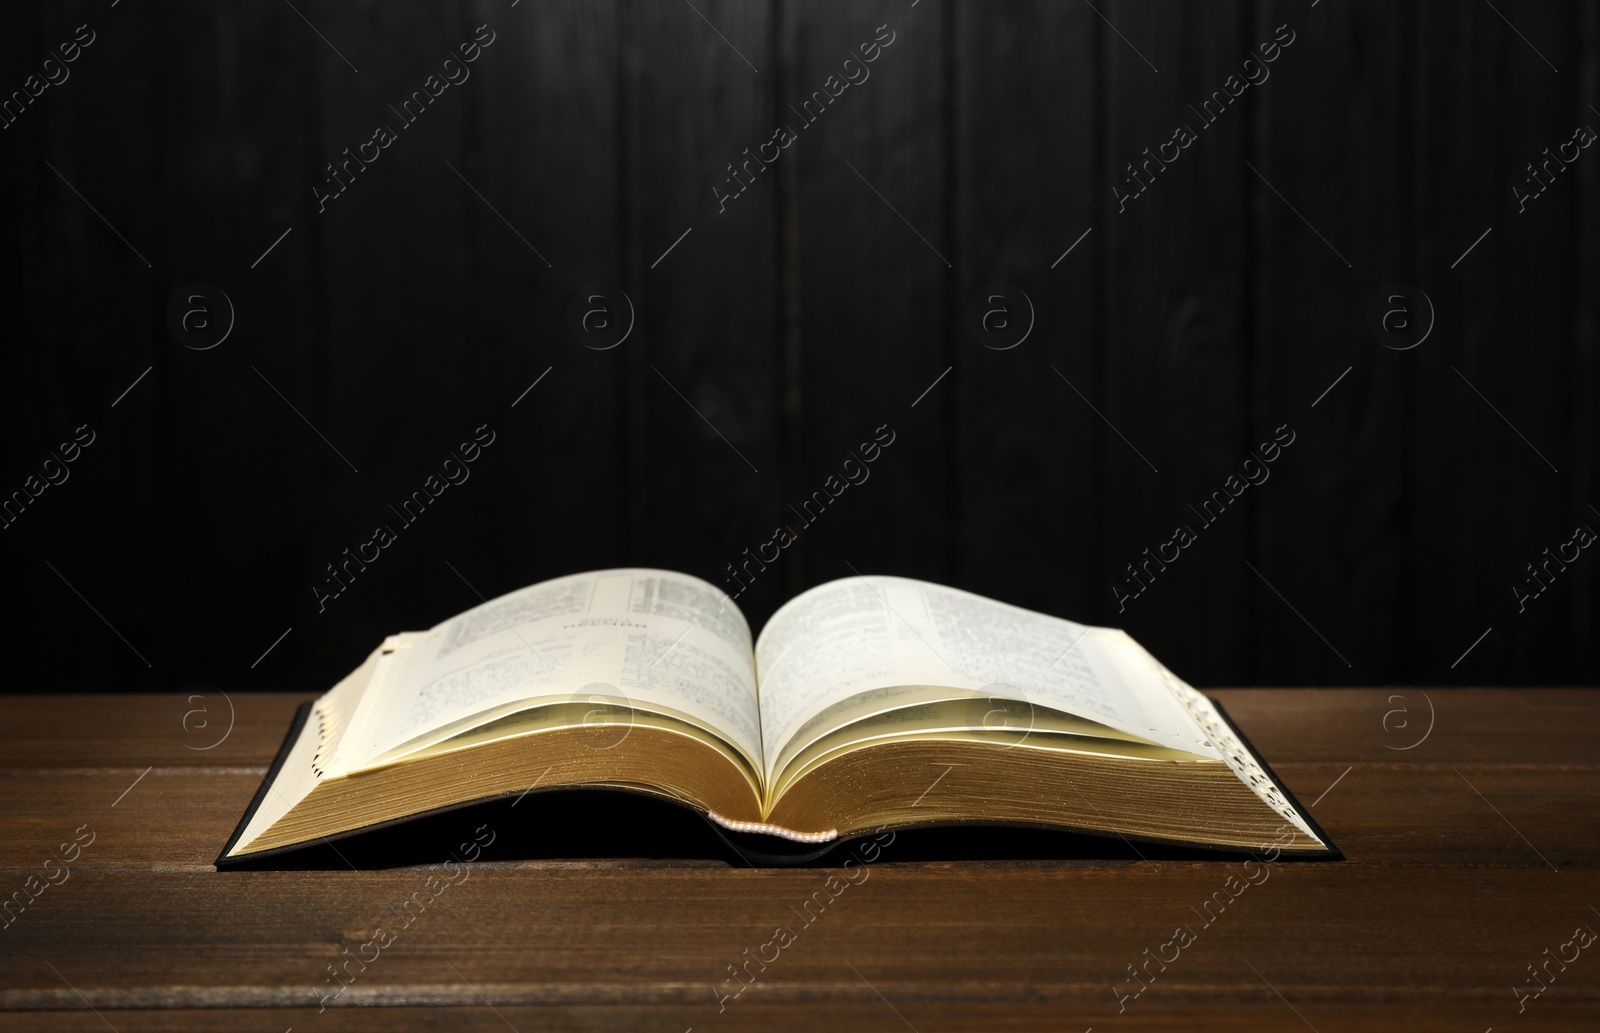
(866, 703)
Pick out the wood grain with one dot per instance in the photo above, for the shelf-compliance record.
(703, 378)
(1332, 522)
(414, 308)
(1263, 1010)
(554, 170)
(1467, 856)
(180, 817)
(1515, 449)
(1174, 391)
(873, 184)
(1027, 189)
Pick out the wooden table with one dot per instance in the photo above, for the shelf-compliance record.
(1467, 817)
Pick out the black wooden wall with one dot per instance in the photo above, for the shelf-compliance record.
(1172, 333)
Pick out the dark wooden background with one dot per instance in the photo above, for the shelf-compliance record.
(1220, 305)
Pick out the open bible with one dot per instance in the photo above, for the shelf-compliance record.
(866, 703)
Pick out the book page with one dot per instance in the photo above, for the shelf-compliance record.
(647, 637)
(865, 633)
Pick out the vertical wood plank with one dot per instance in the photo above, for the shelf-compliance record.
(1488, 502)
(1331, 531)
(1173, 382)
(1024, 113)
(704, 370)
(88, 266)
(876, 292)
(382, 380)
(1585, 325)
(544, 146)
(233, 161)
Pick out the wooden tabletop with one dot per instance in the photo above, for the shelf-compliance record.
(1468, 820)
